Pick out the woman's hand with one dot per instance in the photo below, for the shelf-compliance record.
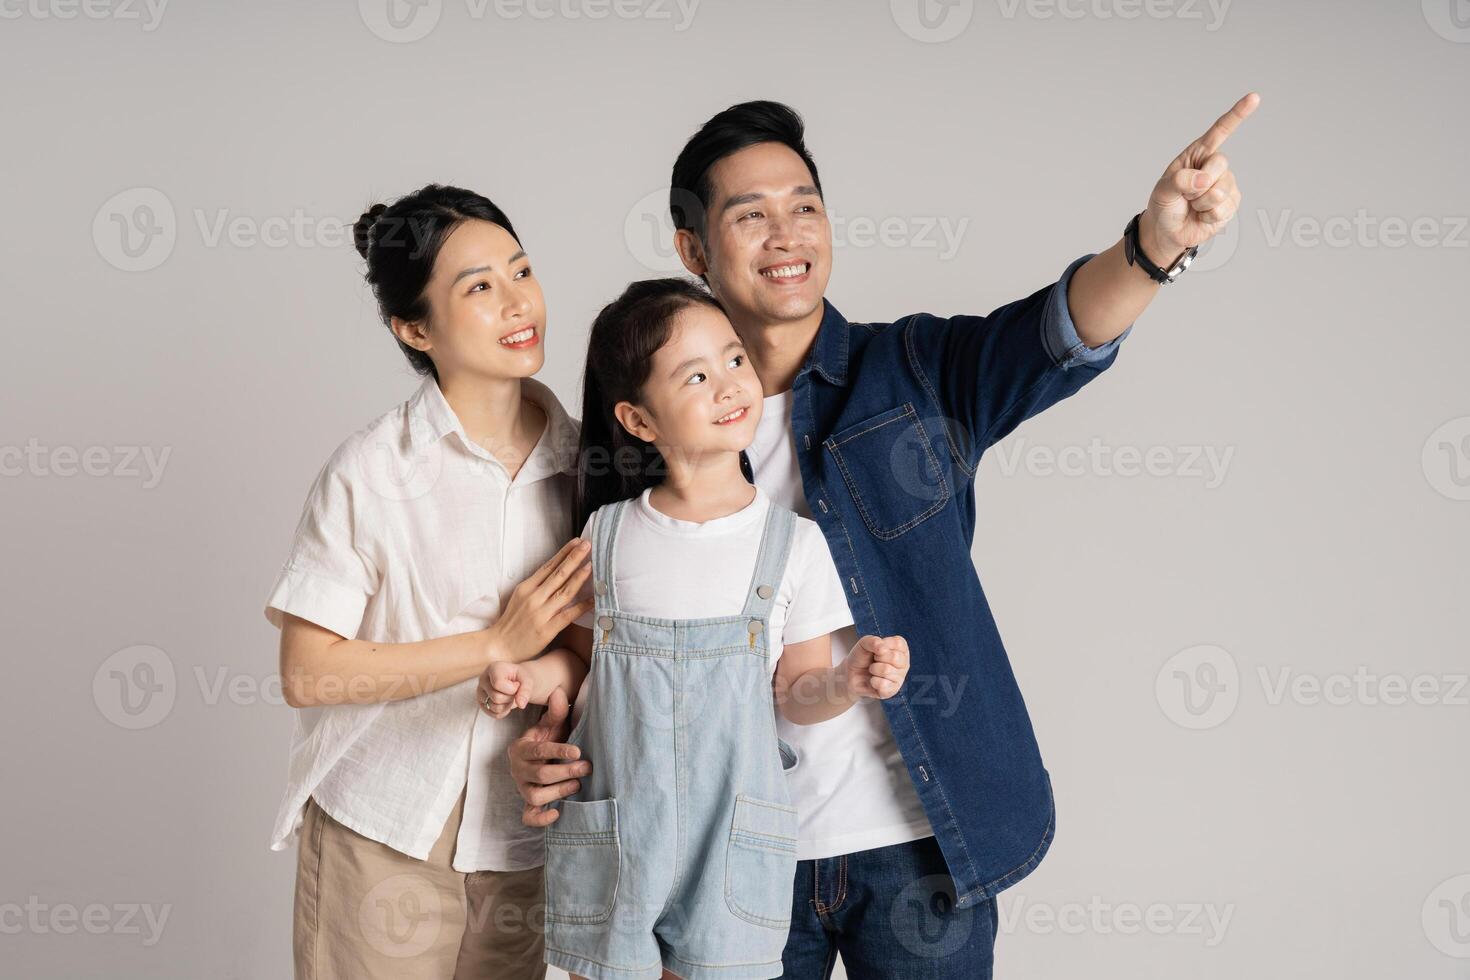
(537, 611)
(877, 666)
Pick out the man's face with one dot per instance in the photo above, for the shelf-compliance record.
(767, 246)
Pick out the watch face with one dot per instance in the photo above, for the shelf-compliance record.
(1184, 261)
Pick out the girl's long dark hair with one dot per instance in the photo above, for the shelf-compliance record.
(613, 463)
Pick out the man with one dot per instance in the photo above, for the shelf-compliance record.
(915, 811)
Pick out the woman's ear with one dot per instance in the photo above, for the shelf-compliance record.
(635, 420)
(415, 334)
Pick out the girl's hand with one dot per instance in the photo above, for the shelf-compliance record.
(537, 611)
(877, 666)
(504, 686)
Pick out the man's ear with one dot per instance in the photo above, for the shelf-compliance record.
(635, 420)
(691, 251)
(413, 333)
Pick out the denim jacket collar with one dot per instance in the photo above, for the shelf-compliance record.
(829, 353)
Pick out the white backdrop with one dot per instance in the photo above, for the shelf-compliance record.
(1231, 573)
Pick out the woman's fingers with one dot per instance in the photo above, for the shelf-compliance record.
(565, 562)
(555, 561)
(571, 614)
(573, 583)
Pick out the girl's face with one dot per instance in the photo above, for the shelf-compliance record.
(486, 313)
(702, 396)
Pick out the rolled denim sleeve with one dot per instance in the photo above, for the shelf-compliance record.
(1059, 333)
(988, 374)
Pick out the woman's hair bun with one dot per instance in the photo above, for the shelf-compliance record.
(364, 227)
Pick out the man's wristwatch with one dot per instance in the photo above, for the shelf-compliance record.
(1135, 256)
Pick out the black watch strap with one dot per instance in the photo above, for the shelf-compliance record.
(1134, 254)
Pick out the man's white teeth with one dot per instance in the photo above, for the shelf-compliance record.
(786, 271)
(516, 338)
(733, 415)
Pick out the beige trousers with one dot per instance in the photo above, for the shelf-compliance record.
(365, 911)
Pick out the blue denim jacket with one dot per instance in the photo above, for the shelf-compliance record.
(890, 420)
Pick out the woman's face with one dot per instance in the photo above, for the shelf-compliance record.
(486, 313)
(701, 376)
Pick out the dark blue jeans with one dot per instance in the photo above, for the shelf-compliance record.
(889, 912)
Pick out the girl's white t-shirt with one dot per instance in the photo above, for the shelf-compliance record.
(676, 569)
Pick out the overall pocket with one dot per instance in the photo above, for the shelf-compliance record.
(760, 862)
(583, 861)
(891, 471)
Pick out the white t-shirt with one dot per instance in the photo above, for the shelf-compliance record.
(851, 788)
(676, 569)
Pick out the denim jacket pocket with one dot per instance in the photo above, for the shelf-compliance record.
(760, 862)
(583, 862)
(891, 471)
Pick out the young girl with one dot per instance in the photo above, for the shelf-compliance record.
(676, 855)
(404, 582)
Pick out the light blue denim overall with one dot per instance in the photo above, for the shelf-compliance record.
(679, 850)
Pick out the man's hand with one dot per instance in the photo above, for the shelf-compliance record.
(544, 767)
(876, 667)
(1197, 196)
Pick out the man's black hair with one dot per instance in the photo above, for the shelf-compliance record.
(729, 132)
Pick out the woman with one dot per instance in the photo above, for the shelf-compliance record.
(428, 550)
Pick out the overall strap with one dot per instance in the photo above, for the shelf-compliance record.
(604, 538)
(770, 562)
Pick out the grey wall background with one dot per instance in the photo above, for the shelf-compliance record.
(1231, 573)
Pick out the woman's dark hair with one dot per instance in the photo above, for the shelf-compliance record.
(725, 133)
(401, 241)
(615, 464)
